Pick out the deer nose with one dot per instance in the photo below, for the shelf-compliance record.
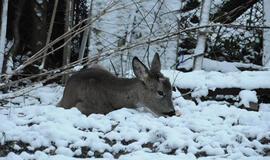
(171, 113)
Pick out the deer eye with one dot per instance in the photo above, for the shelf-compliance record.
(161, 93)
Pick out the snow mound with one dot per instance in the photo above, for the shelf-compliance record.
(209, 129)
(248, 96)
(211, 80)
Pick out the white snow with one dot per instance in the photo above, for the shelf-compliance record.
(265, 107)
(211, 80)
(39, 1)
(77, 68)
(210, 128)
(248, 96)
(211, 65)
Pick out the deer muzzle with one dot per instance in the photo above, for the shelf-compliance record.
(171, 113)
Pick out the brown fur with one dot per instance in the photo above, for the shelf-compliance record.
(96, 90)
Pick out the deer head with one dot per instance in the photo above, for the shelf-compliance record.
(157, 91)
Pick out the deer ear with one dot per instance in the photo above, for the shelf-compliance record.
(156, 66)
(139, 69)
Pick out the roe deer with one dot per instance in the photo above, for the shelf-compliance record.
(96, 90)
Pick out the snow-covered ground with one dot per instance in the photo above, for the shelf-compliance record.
(213, 79)
(31, 127)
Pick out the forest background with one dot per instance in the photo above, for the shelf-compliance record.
(44, 40)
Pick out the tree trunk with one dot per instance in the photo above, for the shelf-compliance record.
(49, 34)
(16, 32)
(200, 48)
(85, 34)
(68, 25)
(3, 32)
(39, 18)
(88, 31)
(83, 43)
(178, 36)
(266, 35)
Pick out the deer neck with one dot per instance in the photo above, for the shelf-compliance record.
(126, 93)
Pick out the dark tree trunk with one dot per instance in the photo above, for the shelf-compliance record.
(39, 18)
(16, 33)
